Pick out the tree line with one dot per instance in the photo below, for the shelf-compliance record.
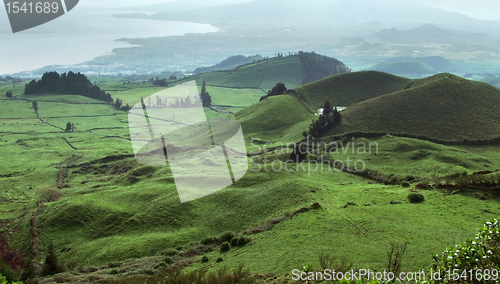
(159, 102)
(71, 84)
(279, 89)
(329, 118)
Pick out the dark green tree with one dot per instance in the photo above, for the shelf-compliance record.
(126, 107)
(9, 95)
(206, 99)
(187, 102)
(68, 127)
(337, 117)
(279, 89)
(326, 121)
(118, 104)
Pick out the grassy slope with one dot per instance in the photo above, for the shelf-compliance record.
(271, 71)
(119, 219)
(443, 106)
(362, 232)
(351, 88)
(281, 117)
(109, 217)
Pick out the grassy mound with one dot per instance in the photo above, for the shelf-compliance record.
(277, 117)
(443, 106)
(292, 70)
(351, 88)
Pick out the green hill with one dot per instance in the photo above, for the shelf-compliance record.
(438, 63)
(492, 80)
(293, 70)
(443, 106)
(229, 63)
(413, 67)
(351, 88)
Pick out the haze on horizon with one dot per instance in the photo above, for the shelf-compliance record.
(481, 9)
(79, 39)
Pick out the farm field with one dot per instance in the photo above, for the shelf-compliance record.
(101, 208)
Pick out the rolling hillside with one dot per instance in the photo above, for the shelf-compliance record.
(111, 217)
(443, 106)
(293, 70)
(352, 88)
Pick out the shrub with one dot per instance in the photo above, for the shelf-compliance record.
(481, 254)
(50, 194)
(168, 260)
(114, 271)
(234, 242)
(225, 246)
(209, 241)
(9, 95)
(241, 241)
(219, 260)
(405, 184)
(423, 185)
(170, 252)
(114, 264)
(415, 197)
(328, 261)
(160, 265)
(226, 237)
(204, 259)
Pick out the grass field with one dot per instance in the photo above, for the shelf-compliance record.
(114, 209)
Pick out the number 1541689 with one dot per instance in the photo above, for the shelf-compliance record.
(32, 7)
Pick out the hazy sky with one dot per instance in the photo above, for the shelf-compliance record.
(481, 9)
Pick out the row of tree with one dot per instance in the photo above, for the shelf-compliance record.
(163, 81)
(187, 102)
(71, 84)
(329, 118)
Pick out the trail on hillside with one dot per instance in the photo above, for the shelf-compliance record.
(262, 77)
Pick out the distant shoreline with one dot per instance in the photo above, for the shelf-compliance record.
(76, 40)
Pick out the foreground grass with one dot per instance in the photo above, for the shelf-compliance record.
(116, 209)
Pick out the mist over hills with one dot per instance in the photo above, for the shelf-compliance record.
(341, 13)
(428, 33)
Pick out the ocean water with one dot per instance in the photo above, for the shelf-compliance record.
(78, 36)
